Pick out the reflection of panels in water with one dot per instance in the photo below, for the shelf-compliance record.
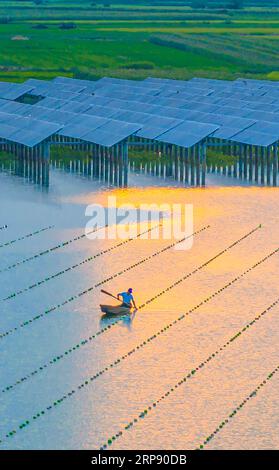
(115, 310)
(262, 170)
(104, 165)
(33, 170)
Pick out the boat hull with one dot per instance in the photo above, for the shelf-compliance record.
(115, 309)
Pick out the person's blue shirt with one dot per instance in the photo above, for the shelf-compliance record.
(127, 297)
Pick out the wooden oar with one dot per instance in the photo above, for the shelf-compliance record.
(114, 297)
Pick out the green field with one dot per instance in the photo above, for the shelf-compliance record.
(137, 41)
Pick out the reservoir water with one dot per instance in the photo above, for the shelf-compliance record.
(52, 393)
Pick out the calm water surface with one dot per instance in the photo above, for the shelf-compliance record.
(95, 413)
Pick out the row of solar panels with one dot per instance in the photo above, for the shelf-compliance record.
(249, 110)
(116, 119)
(66, 88)
(181, 95)
(110, 130)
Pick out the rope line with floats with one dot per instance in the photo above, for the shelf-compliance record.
(71, 268)
(50, 250)
(29, 235)
(239, 408)
(71, 299)
(144, 343)
(89, 380)
(80, 294)
(187, 377)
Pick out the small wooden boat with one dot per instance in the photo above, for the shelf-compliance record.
(115, 309)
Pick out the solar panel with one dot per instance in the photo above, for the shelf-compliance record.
(232, 103)
(211, 81)
(37, 126)
(28, 138)
(2, 102)
(82, 98)
(15, 91)
(69, 80)
(34, 82)
(125, 83)
(226, 133)
(101, 111)
(251, 137)
(155, 106)
(51, 103)
(261, 107)
(120, 95)
(131, 90)
(61, 94)
(155, 110)
(100, 100)
(147, 99)
(228, 121)
(171, 102)
(131, 116)
(156, 125)
(75, 107)
(6, 118)
(6, 131)
(44, 88)
(13, 107)
(40, 84)
(56, 116)
(41, 89)
(177, 113)
(126, 105)
(266, 127)
(229, 111)
(111, 133)
(26, 131)
(272, 92)
(265, 116)
(88, 85)
(187, 134)
(250, 82)
(5, 86)
(198, 106)
(81, 125)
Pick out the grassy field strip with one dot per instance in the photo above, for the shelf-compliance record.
(84, 261)
(87, 340)
(188, 375)
(29, 235)
(215, 47)
(167, 21)
(191, 30)
(89, 380)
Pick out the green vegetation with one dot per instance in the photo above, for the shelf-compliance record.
(65, 153)
(174, 39)
(219, 159)
(213, 157)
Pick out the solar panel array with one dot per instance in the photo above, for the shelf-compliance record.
(110, 110)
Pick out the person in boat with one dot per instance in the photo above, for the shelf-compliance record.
(127, 298)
